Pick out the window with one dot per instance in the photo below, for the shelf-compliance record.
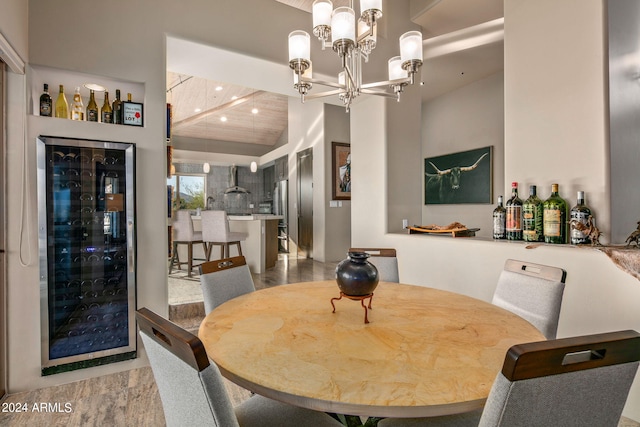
(188, 191)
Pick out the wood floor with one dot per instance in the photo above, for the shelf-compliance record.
(131, 398)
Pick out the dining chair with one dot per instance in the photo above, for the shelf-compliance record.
(579, 381)
(533, 292)
(183, 234)
(224, 279)
(215, 232)
(385, 260)
(193, 392)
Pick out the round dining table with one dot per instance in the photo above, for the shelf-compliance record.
(426, 352)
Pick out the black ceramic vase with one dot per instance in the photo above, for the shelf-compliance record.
(356, 276)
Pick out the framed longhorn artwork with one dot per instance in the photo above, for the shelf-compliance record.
(463, 177)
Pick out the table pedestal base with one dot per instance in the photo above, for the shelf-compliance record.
(360, 298)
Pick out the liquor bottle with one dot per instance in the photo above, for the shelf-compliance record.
(532, 217)
(554, 217)
(499, 220)
(92, 108)
(514, 214)
(117, 109)
(45, 102)
(107, 116)
(62, 106)
(580, 213)
(77, 107)
(128, 97)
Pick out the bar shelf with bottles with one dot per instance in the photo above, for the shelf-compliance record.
(87, 252)
(549, 221)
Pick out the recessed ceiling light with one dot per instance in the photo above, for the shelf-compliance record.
(95, 87)
(223, 119)
(234, 97)
(197, 110)
(219, 88)
(254, 111)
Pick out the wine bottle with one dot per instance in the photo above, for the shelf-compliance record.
(499, 220)
(514, 214)
(532, 217)
(128, 97)
(117, 109)
(62, 106)
(45, 102)
(77, 107)
(554, 218)
(107, 116)
(580, 214)
(92, 108)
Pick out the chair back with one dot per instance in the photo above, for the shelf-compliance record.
(215, 226)
(182, 226)
(533, 292)
(580, 381)
(224, 279)
(191, 389)
(384, 260)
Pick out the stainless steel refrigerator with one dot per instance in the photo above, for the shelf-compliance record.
(281, 207)
(86, 223)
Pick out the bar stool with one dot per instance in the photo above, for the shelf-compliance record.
(183, 234)
(215, 231)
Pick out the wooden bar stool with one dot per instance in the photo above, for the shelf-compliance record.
(215, 231)
(183, 234)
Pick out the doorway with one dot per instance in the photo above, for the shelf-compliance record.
(305, 203)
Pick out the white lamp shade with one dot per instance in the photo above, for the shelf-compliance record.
(395, 69)
(370, 4)
(343, 24)
(411, 46)
(253, 167)
(206, 168)
(322, 12)
(299, 46)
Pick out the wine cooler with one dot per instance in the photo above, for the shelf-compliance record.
(86, 222)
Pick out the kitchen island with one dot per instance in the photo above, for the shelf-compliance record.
(261, 246)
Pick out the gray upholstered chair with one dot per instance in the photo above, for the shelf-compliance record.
(533, 292)
(580, 381)
(224, 279)
(183, 234)
(385, 261)
(215, 232)
(193, 392)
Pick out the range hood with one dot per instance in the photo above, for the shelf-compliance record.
(233, 182)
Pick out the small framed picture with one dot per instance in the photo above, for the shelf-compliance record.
(132, 113)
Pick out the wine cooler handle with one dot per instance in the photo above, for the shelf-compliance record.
(130, 246)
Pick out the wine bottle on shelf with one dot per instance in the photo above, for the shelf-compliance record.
(107, 115)
(77, 107)
(554, 218)
(580, 214)
(532, 217)
(499, 220)
(117, 109)
(514, 214)
(45, 102)
(128, 97)
(92, 108)
(62, 106)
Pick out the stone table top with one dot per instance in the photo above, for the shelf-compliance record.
(425, 352)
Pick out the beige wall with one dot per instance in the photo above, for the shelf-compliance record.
(465, 119)
(553, 108)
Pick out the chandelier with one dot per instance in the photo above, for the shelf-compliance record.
(337, 29)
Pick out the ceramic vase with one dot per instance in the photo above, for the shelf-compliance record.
(356, 276)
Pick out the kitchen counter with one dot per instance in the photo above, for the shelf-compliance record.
(254, 217)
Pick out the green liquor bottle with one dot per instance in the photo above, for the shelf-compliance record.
(555, 217)
(532, 217)
(514, 214)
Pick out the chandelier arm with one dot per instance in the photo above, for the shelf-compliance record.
(324, 94)
(379, 93)
(386, 83)
(321, 82)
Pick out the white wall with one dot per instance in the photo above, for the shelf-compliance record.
(465, 119)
